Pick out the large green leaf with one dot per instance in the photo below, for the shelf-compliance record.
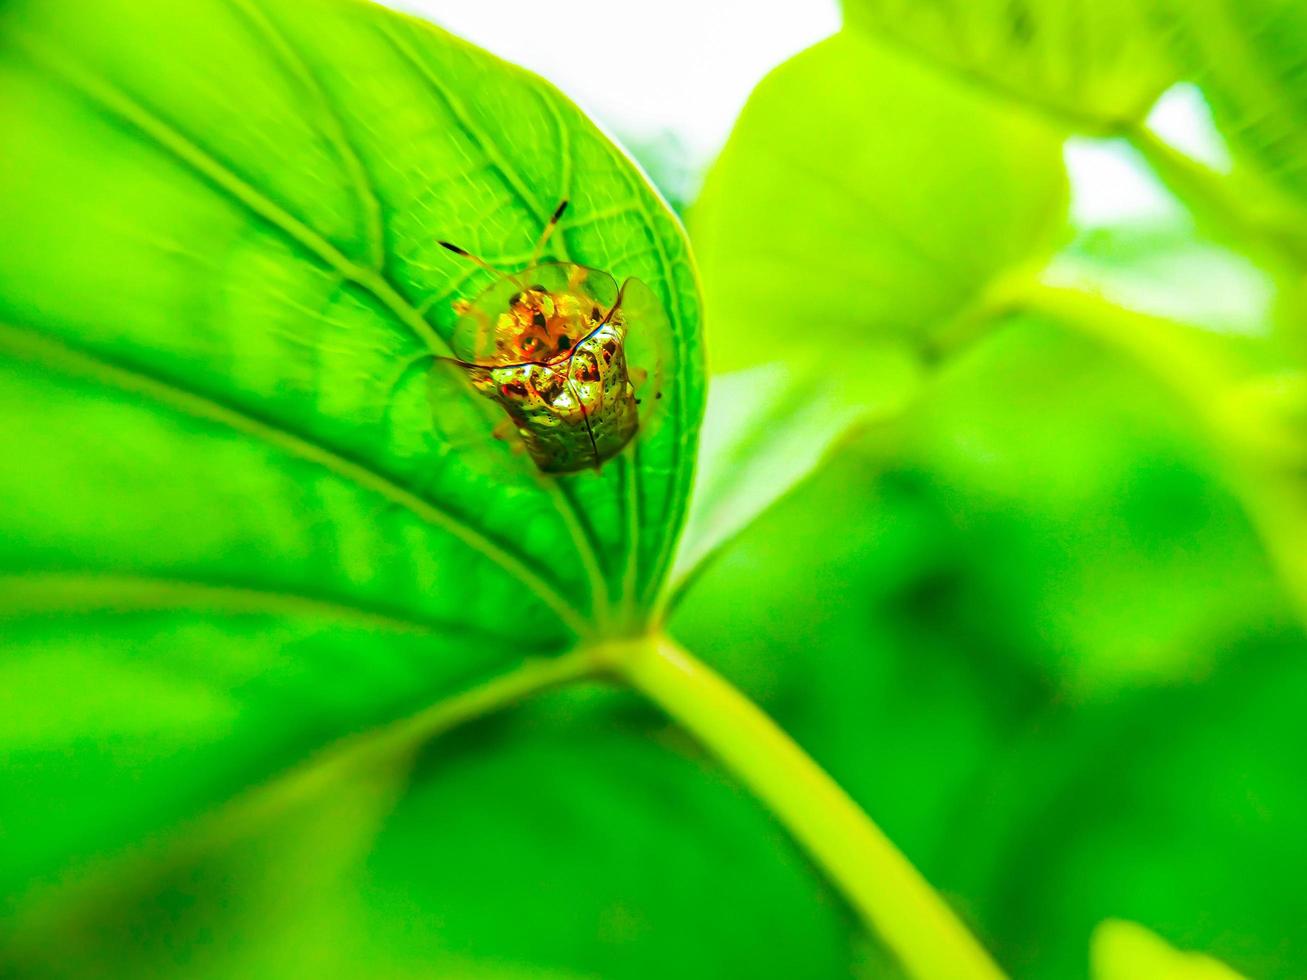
(1096, 64)
(231, 526)
(862, 196)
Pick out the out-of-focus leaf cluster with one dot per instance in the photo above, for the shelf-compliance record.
(1049, 625)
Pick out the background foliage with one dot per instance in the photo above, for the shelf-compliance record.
(1041, 614)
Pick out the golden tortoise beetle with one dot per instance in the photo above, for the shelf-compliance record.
(549, 346)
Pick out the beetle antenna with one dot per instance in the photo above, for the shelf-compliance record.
(550, 225)
(464, 253)
(470, 257)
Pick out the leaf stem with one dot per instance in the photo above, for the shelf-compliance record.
(569, 512)
(1219, 199)
(878, 881)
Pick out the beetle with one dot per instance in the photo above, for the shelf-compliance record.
(549, 346)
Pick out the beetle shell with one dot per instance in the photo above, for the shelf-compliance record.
(548, 345)
(574, 413)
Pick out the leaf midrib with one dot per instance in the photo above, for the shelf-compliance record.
(518, 188)
(579, 529)
(39, 593)
(678, 476)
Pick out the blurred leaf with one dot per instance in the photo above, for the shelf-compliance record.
(635, 856)
(1181, 809)
(838, 212)
(577, 836)
(272, 899)
(951, 638)
(1165, 268)
(1097, 65)
(1102, 492)
(1250, 57)
(765, 430)
(1127, 951)
(1248, 395)
(230, 527)
(1100, 67)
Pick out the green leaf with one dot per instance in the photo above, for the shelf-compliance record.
(575, 836)
(231, 526)
(1126, 950)
(629, 856)
(1250, 58)
(1246, 394)
(837, 214)
(1094, 65)
(1176, 808)
(253, 899)
(766, 430)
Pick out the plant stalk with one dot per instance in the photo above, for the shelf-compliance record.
(1215, 198)
(880, 883)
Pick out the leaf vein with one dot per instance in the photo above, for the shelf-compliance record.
(458, 112)
(28, 342)
(677, 475)
(224, 179)
(332, 127)
(91, 592)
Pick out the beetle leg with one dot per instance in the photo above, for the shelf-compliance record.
(503, 430)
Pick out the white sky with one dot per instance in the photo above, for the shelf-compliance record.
(686, 67)
(679, 66)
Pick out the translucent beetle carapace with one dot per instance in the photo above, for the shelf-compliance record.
(549, 345)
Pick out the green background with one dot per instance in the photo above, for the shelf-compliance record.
(1040, 612)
